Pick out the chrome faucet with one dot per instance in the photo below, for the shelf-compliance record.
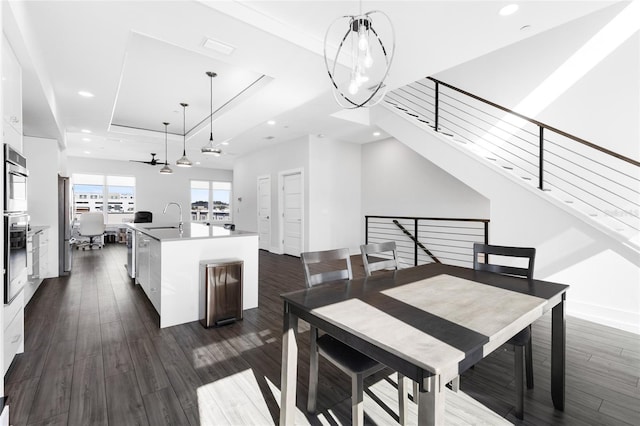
(179, 207)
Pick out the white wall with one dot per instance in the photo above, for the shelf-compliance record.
(268, 161)
(153, 190)
(43, 165)
(603, 106)
(396, 181)
(335, 214)
(603, 272)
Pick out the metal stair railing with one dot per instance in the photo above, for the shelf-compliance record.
(597, 181)
(421, 240)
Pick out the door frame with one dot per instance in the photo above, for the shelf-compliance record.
(258, 178)
(281, 176)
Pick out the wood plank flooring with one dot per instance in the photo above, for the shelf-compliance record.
(94, 355)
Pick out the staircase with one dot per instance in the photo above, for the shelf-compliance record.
(599, 186)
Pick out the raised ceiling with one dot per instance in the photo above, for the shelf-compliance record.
(142, 58)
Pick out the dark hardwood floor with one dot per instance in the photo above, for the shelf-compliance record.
(94, 354)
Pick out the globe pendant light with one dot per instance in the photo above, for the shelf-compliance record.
(184, 161)
(370, 59)
(165, 170)
(210, 148)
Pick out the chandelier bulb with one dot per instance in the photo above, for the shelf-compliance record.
(368, 60)
(363, 40)
(353, 86)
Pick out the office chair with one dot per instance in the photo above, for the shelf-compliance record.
(91, 226)
(521, 341)
(343, 356)
(143, 217)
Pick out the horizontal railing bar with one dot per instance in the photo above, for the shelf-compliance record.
(430, 218)
(499, 119)
(540, 124)
(559, 145)
(453, 124)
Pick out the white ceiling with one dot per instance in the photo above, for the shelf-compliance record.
(142, 58)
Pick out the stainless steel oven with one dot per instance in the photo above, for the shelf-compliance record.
(15, 181)
(15, 254)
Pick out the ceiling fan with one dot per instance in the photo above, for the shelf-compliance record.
(154, 161)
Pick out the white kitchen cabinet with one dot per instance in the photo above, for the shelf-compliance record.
(13, 329)
(11, 96)
(148, 267)
(44, 254)
(37, 261)
(154, 273)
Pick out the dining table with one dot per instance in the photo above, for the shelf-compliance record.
(430, 323)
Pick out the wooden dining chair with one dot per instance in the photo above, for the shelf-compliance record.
(521, 341)
(321, 267)
(375, 257)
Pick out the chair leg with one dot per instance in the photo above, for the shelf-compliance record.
(528, 357)
(357, 403)
(403, 398)
(455, 384)
(519, 373)
(313, 371)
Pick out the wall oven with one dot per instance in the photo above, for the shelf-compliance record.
(16, 226)
(15, 178)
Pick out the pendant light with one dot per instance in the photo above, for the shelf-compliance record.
(165, 170)
(362, 46)
(210, 148)
(184, 161)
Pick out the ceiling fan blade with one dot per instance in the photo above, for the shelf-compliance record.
(139, 161)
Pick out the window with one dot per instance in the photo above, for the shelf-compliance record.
(210, 201)
(117, 190)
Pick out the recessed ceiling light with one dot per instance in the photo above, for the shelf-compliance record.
(86, 140)
(218, 46)
(376, 133)
(197, 163)
(87, 152)
(269, 137)
(85, 94)
(224, 143)
(271, 122)
(525, 27)
(508, 10)
(85, 131)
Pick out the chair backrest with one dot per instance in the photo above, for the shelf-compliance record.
(91, 223)
(333, 265)
(520, 252)
(143, 217)
(376, 264)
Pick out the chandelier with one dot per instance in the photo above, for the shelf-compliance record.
(210, 148)
(369, 57)
(165, 170)
(184, 161)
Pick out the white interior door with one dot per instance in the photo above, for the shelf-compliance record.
(264, 212)
(293, 210)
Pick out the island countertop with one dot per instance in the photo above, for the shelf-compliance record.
(191, 231)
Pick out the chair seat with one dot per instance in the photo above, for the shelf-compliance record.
(522, 338)
(345, 355)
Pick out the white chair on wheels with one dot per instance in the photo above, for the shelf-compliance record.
(336, 265)
(91, 226)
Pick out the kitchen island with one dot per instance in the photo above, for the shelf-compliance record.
(167, 265)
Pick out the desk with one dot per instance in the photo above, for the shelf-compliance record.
(429, 323)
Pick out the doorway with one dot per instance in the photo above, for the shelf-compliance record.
(292, 208)
(264, 212)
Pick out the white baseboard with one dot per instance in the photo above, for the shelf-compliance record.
(622, 320)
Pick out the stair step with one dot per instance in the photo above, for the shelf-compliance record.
(507, 167)
(526, 177)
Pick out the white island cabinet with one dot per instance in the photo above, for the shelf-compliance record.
(167, 266)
